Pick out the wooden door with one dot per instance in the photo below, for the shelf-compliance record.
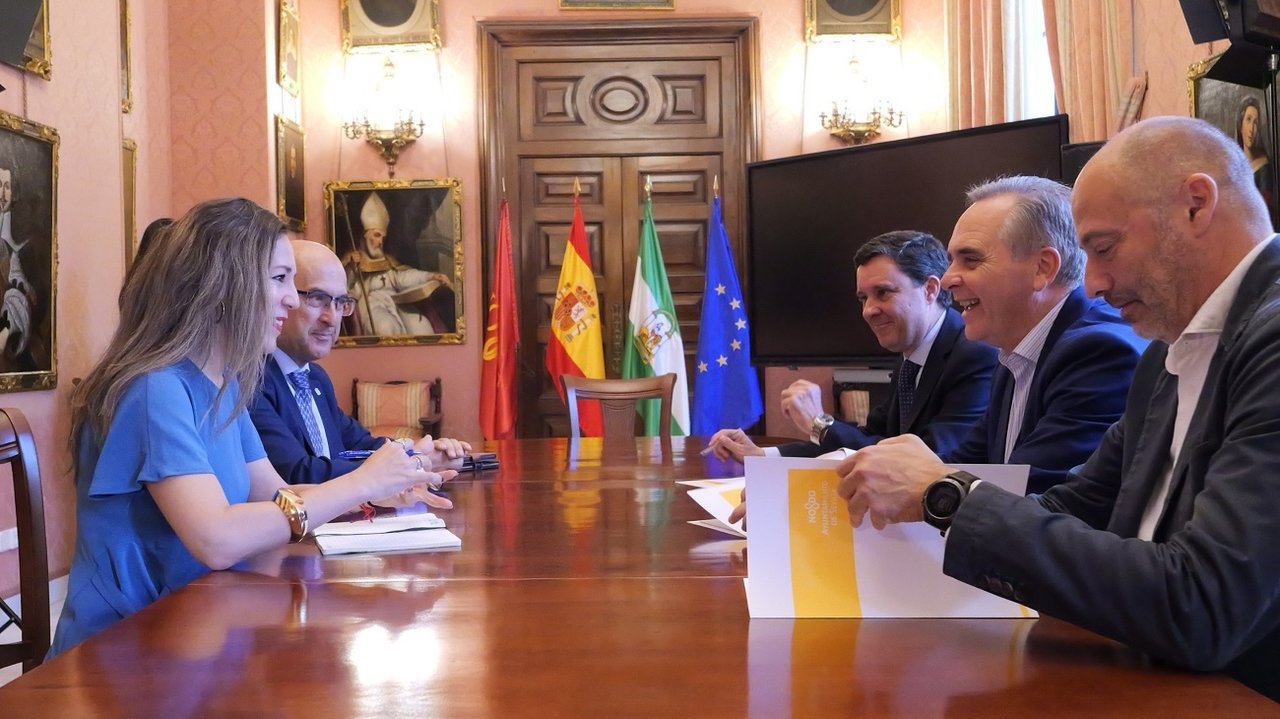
(612, 107)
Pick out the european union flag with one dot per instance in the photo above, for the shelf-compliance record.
(726, 393)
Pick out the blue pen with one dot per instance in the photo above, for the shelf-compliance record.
(365, 453)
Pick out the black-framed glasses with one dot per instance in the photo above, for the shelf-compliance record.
(318, 300)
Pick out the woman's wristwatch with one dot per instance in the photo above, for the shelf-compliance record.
(295, 511)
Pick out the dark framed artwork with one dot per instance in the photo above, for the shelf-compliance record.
(852, 17)
(129, 172)
(37, 58)
(401, 244)
(28, 254)
(126, 70)
(617, 4)
(372, 25)
(1241, 112)
(291, 196)
(288, 65)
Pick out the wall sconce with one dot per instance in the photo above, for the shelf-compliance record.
(848, 129)
(382, 121)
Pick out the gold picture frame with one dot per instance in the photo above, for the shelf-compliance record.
(288, 44)
(28, 254)
(291, 189)
(401, 242)
(37, 57)
(617, 4)
(1226, 106)
(129, 173)
(404, 24)
(867, 17)
(126, 70)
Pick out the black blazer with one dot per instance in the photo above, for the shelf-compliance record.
(1205, 593)
(951, 394)
(275, 413)
(1077, 392)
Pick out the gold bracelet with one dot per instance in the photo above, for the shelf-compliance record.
(295, 511)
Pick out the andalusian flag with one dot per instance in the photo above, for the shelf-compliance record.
(655, 347)
(575, 346)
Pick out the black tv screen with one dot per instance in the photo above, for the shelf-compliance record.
(809, 214)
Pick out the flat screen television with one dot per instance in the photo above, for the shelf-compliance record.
(809, 214)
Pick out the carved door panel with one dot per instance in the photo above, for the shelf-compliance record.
(611, 106)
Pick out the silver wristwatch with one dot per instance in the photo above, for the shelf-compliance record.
(819, 427)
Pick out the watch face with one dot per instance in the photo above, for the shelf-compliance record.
(944, 499)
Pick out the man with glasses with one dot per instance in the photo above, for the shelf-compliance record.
(296, 412)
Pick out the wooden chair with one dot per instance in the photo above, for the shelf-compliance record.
(18, 450)
(618, 401)
(399, 408)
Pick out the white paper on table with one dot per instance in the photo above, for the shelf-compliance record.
(422, 540)
(381, 525)
(842, 572)
(708, 482)
(719, 500)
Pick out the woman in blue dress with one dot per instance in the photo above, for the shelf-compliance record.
(172, 480)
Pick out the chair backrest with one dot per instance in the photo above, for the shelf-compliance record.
(18, 450)
(618, 401)
(399, 408)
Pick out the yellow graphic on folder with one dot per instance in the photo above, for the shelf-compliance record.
(824, 577)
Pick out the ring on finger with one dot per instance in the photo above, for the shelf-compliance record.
(418, 460)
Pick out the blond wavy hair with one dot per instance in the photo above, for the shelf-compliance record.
(201, 286)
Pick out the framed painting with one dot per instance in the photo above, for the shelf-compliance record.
(373, 25)
(36, 58)
(852, 17)
(1241, 112)
(28, 254)
(129, 171)
(291, 197)
(288, 65)
(401, 243)
(617, 4)
(126, 73)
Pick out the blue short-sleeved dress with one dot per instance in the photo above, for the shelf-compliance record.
(127, 555)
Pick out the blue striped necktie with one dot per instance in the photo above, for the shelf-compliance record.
(302, 384)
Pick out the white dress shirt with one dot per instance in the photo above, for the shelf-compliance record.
(1188, 360)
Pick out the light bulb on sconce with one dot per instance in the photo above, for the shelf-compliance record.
(382, 121)
(849, 129)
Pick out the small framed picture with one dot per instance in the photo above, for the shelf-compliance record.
(852, 17)
(126, 71)
(1240, 112)
(373, 25)
(36, 57)
(617, 4)
(129, 171)
(291, 198)
(401, 242)
(28, 254)
(288, 68)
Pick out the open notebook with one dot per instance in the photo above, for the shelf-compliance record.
(392, 533)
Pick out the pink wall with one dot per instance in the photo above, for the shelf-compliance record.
(1164, 50)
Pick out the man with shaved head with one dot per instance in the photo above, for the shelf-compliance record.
(1166, 538)
(296, 410)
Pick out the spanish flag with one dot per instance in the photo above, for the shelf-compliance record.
(575, 346)
(501, 335)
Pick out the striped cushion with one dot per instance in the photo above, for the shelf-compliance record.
(392, 410)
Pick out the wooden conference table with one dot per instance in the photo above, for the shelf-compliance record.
(580, 591)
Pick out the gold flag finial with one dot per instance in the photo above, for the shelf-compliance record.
(648, 187)
(715, 185)
(504, 187)
(576, 187)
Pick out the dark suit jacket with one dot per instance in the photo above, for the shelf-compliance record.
(275, 413)
(1076, 394)
(1205, 593)
(951, 394)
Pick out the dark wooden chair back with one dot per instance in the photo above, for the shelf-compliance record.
(18, 450)
(618, 401)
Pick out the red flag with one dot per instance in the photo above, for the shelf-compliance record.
(501, 335)
(575, 345)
